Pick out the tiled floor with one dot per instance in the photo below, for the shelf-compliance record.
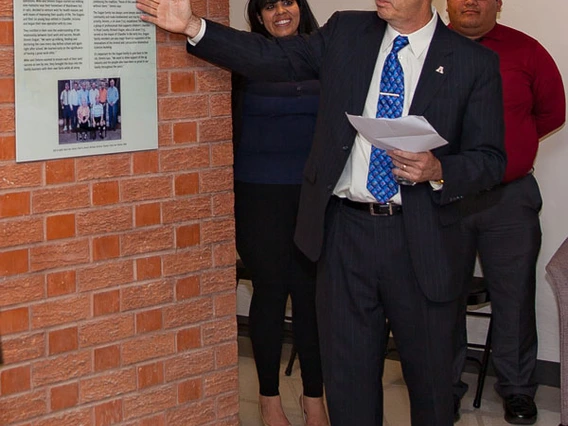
(396, 397)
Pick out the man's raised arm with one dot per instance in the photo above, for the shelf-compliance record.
(174, 16)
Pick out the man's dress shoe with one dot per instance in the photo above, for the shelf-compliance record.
(520, 409)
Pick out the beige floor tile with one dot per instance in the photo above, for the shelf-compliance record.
(395, 396)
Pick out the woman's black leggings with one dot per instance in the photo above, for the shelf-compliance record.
(265, 217)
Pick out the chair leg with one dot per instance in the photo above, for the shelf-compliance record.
(483, 367)
(293, 354)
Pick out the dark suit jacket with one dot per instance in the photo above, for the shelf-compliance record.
(459, 93)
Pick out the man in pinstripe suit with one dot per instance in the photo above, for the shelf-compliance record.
(399, 260)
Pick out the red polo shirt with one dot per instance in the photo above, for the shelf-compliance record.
(534, 98)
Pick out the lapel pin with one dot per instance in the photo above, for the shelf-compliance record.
(440, 70)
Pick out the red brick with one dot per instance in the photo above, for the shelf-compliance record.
(147, 294)
(108, 330)
(196, 413)
(148, 268)
(147, 241)
(109, 413)
(223, 204)
(222, 154)
(188, 312)
(158, 420)
(106, 247)
(228, 407)
(15, 380)
(105, 193)
(165, 134)
(103, 221)
(20, 231)
(187, 184)
(214, 80)
(185, 132)
(60, 171)
(186, 261)
(63, 340)
(184, 159)
(190, 338)
(7, 119)
(148, 347)
(60, 283)
(148, 321)
(175, 56)
(182, 81)
(216, 180)
(20, 175)
(147, 188)
(226, 355)
(163, 82)
(219, 230)
(218, 281)
(61, 198)
(65, 396)
(106, 303)
(22, 407)
(219, 9)
(14, 204)
(7, 58)
(183, 210)
(6, 84)
(224, 254)
(187, 236)
(189, 364)
(61, 311)
(183, 107)
(190, 390)
(59, 255)
(14, 320)
(188, 288)
(21, 290)
(150, 402)
(219, 331)
(221, 382)
(145, 162)
(103, 167)
(23, 348)
(108, 385)
(8, 145)
(215, 129)
(148, 214)
(61, 226)
(220, 104)
(225, 304)
(150, 375)
(107, 358)
(61, 368)
(105, 275)
(81, 416)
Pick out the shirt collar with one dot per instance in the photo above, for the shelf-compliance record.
(418, 41)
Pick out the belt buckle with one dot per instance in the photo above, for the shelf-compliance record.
(372, 209)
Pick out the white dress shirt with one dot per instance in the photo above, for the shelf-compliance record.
(352, 183)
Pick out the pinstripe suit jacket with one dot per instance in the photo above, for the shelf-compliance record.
(463, 103)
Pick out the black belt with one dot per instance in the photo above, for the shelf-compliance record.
(374, 209)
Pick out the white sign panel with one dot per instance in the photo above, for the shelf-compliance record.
(85, 74)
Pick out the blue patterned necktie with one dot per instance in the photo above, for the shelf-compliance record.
(380, 180)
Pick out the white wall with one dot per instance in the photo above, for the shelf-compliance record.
(545, 21)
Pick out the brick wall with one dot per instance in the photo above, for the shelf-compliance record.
(117, 302)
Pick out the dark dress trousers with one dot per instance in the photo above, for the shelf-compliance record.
(459, 93)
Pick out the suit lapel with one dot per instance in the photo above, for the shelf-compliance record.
(437, 65)
(363, 58)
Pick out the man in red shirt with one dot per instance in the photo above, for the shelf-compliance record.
(504, 227)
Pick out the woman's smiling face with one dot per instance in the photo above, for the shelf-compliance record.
(281, 18)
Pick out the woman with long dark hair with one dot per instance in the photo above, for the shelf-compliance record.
(273, 125)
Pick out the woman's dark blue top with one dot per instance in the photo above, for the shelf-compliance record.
(273, 128)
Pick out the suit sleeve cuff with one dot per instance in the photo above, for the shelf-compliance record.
(193, 41)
